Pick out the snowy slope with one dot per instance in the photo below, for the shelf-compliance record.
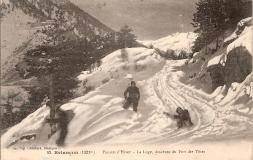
(179, 43)
(106, 100)
(237, 97)
(243, 39)
(137, 62)
(100, 119)
(241, 93)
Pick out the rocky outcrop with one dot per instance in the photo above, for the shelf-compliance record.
(233, 62)
(217, 75)
(238, 65)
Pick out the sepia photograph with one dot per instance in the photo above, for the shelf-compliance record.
(126, 79)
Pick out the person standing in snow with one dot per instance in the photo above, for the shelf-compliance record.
(183, 117)
(62, 124)
(51, 116)
(132, 96)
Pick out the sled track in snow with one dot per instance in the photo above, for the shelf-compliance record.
(174, 94)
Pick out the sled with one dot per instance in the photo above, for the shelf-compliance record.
(169, 115)
(186, 125)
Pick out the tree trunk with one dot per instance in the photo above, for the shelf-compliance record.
(51, 95)
(217, 43)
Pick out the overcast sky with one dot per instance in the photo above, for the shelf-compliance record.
(150, 19)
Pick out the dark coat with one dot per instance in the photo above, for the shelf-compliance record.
(132, 92)
(184, 115)
(183, 118)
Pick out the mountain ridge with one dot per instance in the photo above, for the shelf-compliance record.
(27, 16)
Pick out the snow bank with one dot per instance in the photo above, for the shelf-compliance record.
(137, 62)
(178, 43)
(99, 113)
(241, 37)
(31, 125)
(244, 40)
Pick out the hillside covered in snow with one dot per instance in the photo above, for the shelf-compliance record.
(66, 77)
(220, 110)
(40, 38)
(176, 46)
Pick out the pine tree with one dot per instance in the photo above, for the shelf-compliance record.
(213, 17)
(58, 60)
(125, 37)
(209, 21)
(234, 11)
(54, 63)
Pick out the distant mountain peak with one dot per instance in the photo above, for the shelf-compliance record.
(27, 16)
(44, 10)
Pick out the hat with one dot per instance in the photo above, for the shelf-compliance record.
(179, 110)
(129, 76)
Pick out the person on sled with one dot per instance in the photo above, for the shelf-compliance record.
(132, 96)
(183, 117)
